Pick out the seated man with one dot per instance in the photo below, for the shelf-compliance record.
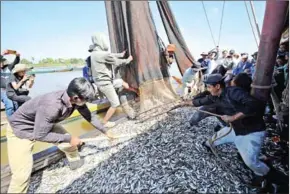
(245, 114)
(37, 120)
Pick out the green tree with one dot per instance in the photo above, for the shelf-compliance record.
(25, 61)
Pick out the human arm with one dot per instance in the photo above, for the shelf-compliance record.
(112, 60)
(18, 85)
(44, 121)
(16, 61)
(207, 100)
(31, 81)
(119, 55)
(90, 117)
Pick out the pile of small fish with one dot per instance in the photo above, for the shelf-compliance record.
(163, 154)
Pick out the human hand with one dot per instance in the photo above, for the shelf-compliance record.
(5, 52)
(25, 78)
(31, 78)
(110, 135)
(228, 118)
(125, 85)
(187, 103)
(75, 141)
(130, 58)
(123, 53)
(17, 54)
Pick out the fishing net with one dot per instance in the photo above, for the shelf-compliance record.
(131, 28)
(183, 57)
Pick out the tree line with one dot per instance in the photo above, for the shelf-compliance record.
(53, 62)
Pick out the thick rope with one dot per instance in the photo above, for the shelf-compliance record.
(261, 87)
(251, 24)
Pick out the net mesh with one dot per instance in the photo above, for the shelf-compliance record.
(131, 28)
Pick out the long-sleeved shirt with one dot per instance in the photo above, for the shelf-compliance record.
(203, 62)
(243, 67)
(234, 100)
(35, 119)
(6, 71)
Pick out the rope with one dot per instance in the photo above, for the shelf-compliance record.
(254, 16)
(221, 23)
(261, 87)
(215, 138)
(208, 24)
(251, 24)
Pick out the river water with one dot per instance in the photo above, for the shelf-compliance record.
(48, 82)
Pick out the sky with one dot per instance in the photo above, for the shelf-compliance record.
(63, 29)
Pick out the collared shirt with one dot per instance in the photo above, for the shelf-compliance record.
(188, 76)
(243, 67)
(233, 100)
(35, 119)
(203, 62)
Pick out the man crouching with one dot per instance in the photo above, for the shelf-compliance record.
(37, 120)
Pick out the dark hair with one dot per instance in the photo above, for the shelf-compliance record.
(221, 83)
(81, 88)
(244, 81)
(220, 69)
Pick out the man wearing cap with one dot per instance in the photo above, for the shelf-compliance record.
(19, 85)
(204, 60)
(187, 79)
(6, 68)
(212, 62)
(243, 66)
(245, 113)
(221, 60)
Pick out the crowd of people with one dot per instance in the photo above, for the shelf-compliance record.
(228, 81)
(227, 78)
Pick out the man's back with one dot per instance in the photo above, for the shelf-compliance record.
(54, 105)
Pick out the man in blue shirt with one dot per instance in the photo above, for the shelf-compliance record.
(204, 61)
(244, 66)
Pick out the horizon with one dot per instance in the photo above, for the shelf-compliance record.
(56, 30)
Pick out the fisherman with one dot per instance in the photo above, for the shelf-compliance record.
(6, 69)
(243, 66)
(19, 85)
(247, 129)
(103, 65)
(221, 60)
(37, 120)
(204, 61)
(283, 51)
(188, 80)
(242, 80)
(212, 62)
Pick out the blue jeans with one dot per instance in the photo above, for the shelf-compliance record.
(9, 107)
(249, 146)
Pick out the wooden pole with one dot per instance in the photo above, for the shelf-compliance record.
(273, 25)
